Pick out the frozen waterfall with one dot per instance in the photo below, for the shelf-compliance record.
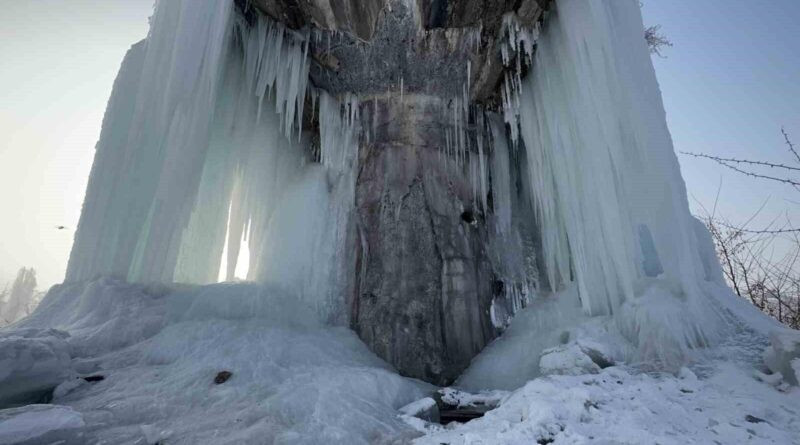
(204, 146)
(202, 136)
(605, 183)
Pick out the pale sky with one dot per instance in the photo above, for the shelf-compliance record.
(730, 82)
(59, 60)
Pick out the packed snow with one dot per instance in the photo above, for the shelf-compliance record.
(622, 407)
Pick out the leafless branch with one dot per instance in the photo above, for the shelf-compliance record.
(741, 161)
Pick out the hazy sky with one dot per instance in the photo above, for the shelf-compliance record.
(730, 82)
(58, 59)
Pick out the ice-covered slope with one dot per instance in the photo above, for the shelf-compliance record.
(294, 380)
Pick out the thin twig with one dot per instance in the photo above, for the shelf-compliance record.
(722, 160)
(789, 143)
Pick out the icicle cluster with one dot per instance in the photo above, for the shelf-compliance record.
(516, 50)
(338, 138)
(501, 177)
(276, 62)
(200, 154)
(604, 179)
(152, 147)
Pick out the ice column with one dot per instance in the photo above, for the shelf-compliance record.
(600, 159)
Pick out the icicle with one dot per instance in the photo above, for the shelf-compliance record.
(277, 62)
(501, 176)
(602, 165)
(482, 167)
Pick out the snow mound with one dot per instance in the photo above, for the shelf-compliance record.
(566, 360)
(513, 359)
(101, 315)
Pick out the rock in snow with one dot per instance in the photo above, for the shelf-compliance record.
(222, 377)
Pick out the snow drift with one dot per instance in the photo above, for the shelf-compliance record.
(294, 379)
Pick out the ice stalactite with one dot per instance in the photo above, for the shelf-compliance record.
(205, 116)
(501, 177)
(302, 245)
(606, 188)
(152, 147)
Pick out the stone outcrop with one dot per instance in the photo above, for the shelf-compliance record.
(367, 46)
(425, 279)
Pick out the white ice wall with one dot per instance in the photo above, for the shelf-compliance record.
(203, 134)
(603, 173)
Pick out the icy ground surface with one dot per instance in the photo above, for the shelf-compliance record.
(716, 402)
(295, 380)
(159, 350)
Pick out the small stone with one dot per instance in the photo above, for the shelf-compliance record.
(94, 378)
(222, 377)
(753, 419)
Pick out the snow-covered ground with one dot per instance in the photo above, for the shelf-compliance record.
(295, 380)
(720, 402)
(159, 349)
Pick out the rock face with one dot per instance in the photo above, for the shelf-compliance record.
(355, 17)
(424, 280)
(424, 276)
(368, 46)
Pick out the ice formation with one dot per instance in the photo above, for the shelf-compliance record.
(605, 184)
(203, 149)
(209, 149)
(295, 378)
